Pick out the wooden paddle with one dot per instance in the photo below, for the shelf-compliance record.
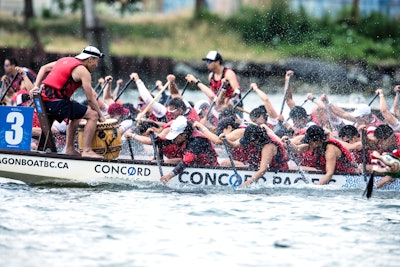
(8, 87)
(279, 129)
(156, 154)
(373, 99)
(238, 178)
(122, 90)
(130, 148)
(152, 102)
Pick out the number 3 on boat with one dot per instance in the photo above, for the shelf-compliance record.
(16, 127)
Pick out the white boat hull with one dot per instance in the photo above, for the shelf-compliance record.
(41, 168)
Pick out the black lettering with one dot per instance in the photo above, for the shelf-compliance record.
(29, 162)
(213, 180)
(193, 176)
(123, 168)
(11, 161)
(23, 162)
(114, 169)
(276, 180)
(220, 181)
(332, 181)
(105, 169)
(18, 161)
(147, 172)
(139, 171)
(52, 164)
(96, 168)
(287, 181)
(181, 176)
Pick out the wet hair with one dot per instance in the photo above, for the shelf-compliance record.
(383, 131)
(254, 133)
(227, 112)
(257, 112)
(297, 113)
(224, 123)
(349, 131)
(177, 103)
(142, 128)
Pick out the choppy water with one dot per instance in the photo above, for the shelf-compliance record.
(150, 225)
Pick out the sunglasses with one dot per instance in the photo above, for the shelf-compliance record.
(139, 105)
(209, 61)
(6, 65)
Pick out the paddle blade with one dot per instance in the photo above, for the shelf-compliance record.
(370, 186)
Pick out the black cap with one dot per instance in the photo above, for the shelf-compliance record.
(314, 133)
(298, 113)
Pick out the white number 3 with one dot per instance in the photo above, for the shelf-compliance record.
(14, 137)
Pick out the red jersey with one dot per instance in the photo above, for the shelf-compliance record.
(59, 83)
(215, 85)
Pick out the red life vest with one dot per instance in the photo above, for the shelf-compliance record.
(59, 83)
(279, 161)
(206, 156)
(215, 85)
(346, 162)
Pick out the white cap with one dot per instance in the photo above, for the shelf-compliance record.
(213, 55)
(361, 110)
(199, 105)
(178, 126)
(89, 51)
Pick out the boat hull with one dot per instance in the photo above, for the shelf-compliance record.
(41, 168)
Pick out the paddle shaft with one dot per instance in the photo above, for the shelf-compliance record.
(130, 148)
(239, 179)
(215, 100)
(364, 153)
(156, 154)
(328, 113)
(241, 99)
(285, 95)
(155, 98)
(102, 88)
(8, 87)
(184, 88)
(122, 90)
(372, 100)
(293, 157)
(96, 87)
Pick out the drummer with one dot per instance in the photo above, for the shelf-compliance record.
(64, 76)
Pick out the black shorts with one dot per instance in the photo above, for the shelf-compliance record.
(65, 109)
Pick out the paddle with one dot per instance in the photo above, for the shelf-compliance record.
(328, 113)
(130, 148)
(122, 90)
(370, 186)
(364, 153)
(279, 129)
(154, 88)
(238, 178)
(184, 88)
(241, 99)
(157, 156)
(8, 87)
(102, 88)
(373, 99)
(96, 87)
(214, 100)
(152, 102)
(293, 157)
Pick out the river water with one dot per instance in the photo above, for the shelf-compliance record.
(153, 225)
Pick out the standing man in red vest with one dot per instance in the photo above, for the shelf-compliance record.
(64, 76)
(219, 74)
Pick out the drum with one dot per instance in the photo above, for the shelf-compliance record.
(106, 141)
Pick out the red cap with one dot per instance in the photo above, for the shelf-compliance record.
(117, 109)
